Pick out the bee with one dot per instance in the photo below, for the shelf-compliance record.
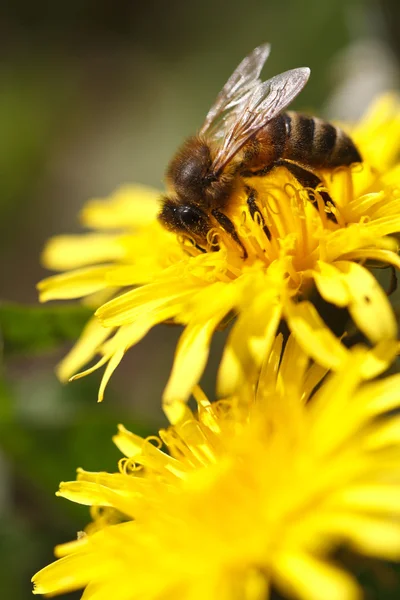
(246, 134)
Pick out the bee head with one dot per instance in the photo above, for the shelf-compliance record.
(183, 218)
(189, 171)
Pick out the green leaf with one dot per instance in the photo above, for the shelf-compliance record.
(34, 329)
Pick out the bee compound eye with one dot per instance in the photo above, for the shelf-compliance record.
(182, 217)
(193, 219)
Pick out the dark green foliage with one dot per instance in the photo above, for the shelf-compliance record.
(29, 330)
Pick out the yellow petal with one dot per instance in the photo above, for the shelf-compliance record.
(373, 498)
(330, 285)
(249, 343)
(93, 335)
(369, 305)
(73, 251)
(143, 451)
(190, 359)
(139, 302)
(326, 417)
(78, 545)
(87, 493)
(90, 493)
(116, 482)
(366, 534)
(104, 590)
(128, 443)
(383, 226)
(100, 363)
(115, 347)
(67, 574)
(387, 434)
(379, 358)
(98, 298)
(111, 366)
(76, 284)
(313, 377)
(329, 429)
(293, 369)
(359, 236)
(314, 336)
(380, 396)
(379, 148)
(363, 205)
(387, 257)
(311, 579)
(128, 335)
(204, 314)
(380, 539)
(137, 274)
(270, 369)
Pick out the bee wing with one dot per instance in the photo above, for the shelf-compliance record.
(254, 110)
(242, 81)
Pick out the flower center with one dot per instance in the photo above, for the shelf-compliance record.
(280, 220)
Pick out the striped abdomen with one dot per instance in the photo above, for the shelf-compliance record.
(305, 140)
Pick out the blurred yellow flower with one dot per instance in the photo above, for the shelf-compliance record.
(311, 244)
(254, 491)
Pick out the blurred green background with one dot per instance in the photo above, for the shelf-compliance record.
(94, 94)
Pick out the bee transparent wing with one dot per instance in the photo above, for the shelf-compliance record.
(239, 85)
(259, 106)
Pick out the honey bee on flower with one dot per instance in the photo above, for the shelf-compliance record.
(246, 135)
(280, 238)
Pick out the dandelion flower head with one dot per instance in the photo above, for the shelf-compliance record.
(137, 274)
(256, 491)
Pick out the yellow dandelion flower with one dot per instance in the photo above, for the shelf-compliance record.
(251, 492)
(137, 274)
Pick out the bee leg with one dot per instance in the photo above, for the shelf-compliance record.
(229, 227)
(304, 176)
(307, 179)
(254, 209)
